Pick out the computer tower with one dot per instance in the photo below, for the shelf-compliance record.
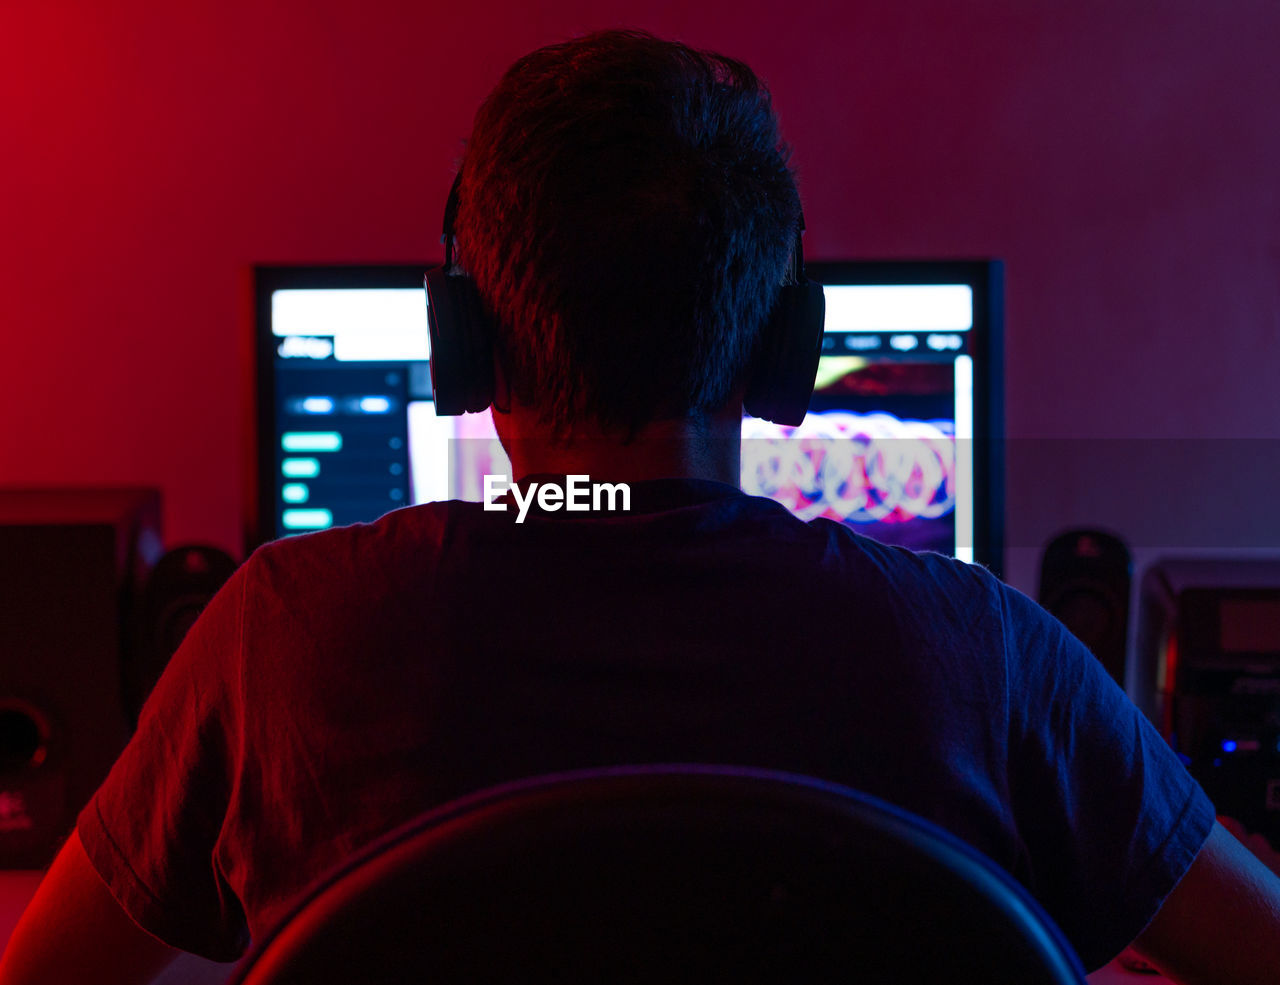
(1208, 656)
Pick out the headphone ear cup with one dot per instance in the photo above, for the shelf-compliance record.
(786, 365)
(462, 336)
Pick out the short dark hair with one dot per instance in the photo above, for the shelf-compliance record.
(627, 212)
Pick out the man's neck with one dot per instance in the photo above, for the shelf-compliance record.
(696, 448)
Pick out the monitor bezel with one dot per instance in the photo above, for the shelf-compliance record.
(259, 525)
(985, 277)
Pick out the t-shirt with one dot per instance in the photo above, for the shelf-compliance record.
(346, 681)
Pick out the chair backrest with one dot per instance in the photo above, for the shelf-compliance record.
(667, 874)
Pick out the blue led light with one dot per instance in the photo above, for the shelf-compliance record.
(1228, 745)
(306, 519)
(300, 468)
(311, 441)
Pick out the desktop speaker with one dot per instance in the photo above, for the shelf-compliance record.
(180, 585)
(1084, 581)
(72, 564)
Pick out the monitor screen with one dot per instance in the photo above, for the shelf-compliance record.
(902, 439)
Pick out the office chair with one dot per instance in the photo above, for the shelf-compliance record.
(666, 874)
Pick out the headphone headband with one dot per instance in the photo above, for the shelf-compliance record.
(450, 217)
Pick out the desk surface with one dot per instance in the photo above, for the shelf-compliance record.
(17, 887)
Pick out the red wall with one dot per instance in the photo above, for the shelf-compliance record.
(1122, 158)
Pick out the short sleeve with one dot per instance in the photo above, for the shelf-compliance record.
(1109, 817)
(152, 828)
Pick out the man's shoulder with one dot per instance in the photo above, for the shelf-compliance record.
(414, 522)
(943, 605)
(359, 555)
(904, 570)
(406, 545)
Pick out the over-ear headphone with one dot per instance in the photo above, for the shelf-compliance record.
(462, 339)
(461, 330)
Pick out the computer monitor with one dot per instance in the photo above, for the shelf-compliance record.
(902, 442)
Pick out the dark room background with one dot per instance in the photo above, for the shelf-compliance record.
(1122, 158)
